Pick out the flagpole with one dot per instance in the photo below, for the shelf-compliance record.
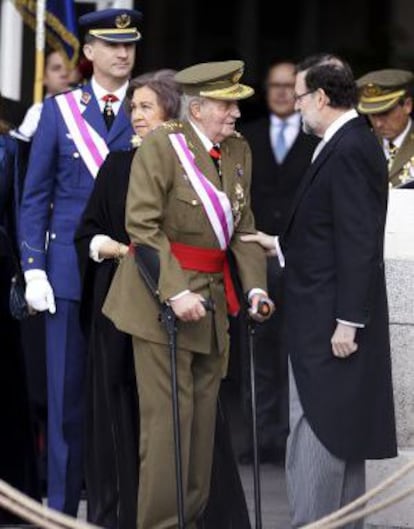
(40, 51)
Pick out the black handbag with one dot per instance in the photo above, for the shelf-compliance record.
(18, 306)
(19, 309)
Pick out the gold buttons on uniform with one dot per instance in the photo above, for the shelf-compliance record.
(53, 235)
(76, 155)
(194, 202)
(30, 260)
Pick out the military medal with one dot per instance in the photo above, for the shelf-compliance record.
(85, 98)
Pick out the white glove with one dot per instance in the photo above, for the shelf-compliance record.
(30, 121)
(39, 293)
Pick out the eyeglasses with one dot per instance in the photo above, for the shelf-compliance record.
(280, 86)
(298, 97)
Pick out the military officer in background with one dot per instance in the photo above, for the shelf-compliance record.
(385, 96)
(76, 131)
(188, 198)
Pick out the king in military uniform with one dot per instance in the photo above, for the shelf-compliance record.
(188, 199)
(385, 96)
(76, 131)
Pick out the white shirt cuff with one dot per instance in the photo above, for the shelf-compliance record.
(279, 253)
(254, 291)
(180, 295)
(35, 273)
(15, 133)
(351, 323)
(95, 245)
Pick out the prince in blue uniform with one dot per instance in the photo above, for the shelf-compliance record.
(76, 131)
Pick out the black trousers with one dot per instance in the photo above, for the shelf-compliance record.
(17, 448)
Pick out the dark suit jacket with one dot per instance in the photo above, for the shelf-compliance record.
(274, 185)
(334, 269)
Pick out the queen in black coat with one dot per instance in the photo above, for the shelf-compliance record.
(112, 422)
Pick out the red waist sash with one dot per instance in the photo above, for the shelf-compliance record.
(210, 261)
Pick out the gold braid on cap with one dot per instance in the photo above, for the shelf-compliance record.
(371, 96)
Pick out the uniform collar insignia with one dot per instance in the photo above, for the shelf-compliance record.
(85, 98)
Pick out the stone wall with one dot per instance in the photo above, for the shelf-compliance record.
(399, 264)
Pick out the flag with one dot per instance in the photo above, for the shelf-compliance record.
(60, 25)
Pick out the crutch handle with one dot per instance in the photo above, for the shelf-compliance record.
(265, 307)
(209, 304)
(262, 311)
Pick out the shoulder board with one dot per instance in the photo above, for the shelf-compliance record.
(172, 126)
(73, 90)
(237, 134)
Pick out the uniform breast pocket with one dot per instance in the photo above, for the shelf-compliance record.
(187, 212)
(71, 165)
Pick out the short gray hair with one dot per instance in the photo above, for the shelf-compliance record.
(186, 101)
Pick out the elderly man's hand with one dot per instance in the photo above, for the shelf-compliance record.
(343, 340)
(266, 241)
(188, 307)
(261, 307)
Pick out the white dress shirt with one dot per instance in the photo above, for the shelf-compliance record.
(100, 92)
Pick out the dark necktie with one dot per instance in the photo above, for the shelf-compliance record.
(108, 111)
(215, 153)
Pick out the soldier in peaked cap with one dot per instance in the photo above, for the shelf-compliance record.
(76, 131)
(188, 198)
(385, 96)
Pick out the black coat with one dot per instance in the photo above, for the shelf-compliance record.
(274, 185)
(334, 269)
(17, 448)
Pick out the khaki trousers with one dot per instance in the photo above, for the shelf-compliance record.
(199, 378)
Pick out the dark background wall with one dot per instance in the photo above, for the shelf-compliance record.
(370, 34)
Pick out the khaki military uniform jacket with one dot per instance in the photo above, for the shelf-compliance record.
(161, 207)
(402, 168)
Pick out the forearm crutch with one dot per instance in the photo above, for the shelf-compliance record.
(264, 309)
(148, 263)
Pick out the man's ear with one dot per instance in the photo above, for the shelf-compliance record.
(195, 109)
(323, 99)
(88, 51)
(408, 105)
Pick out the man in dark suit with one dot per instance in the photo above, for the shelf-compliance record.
(336, 332)
(76, 131)
(281, 152)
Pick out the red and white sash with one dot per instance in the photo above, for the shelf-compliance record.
(215, 202)
(91, 146)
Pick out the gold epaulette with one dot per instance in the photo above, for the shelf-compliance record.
(237, 134)
(172, 126)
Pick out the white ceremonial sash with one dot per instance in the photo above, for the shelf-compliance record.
(215, 202)
(91, 146)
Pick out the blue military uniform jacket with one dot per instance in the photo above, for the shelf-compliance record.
(57, 187)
